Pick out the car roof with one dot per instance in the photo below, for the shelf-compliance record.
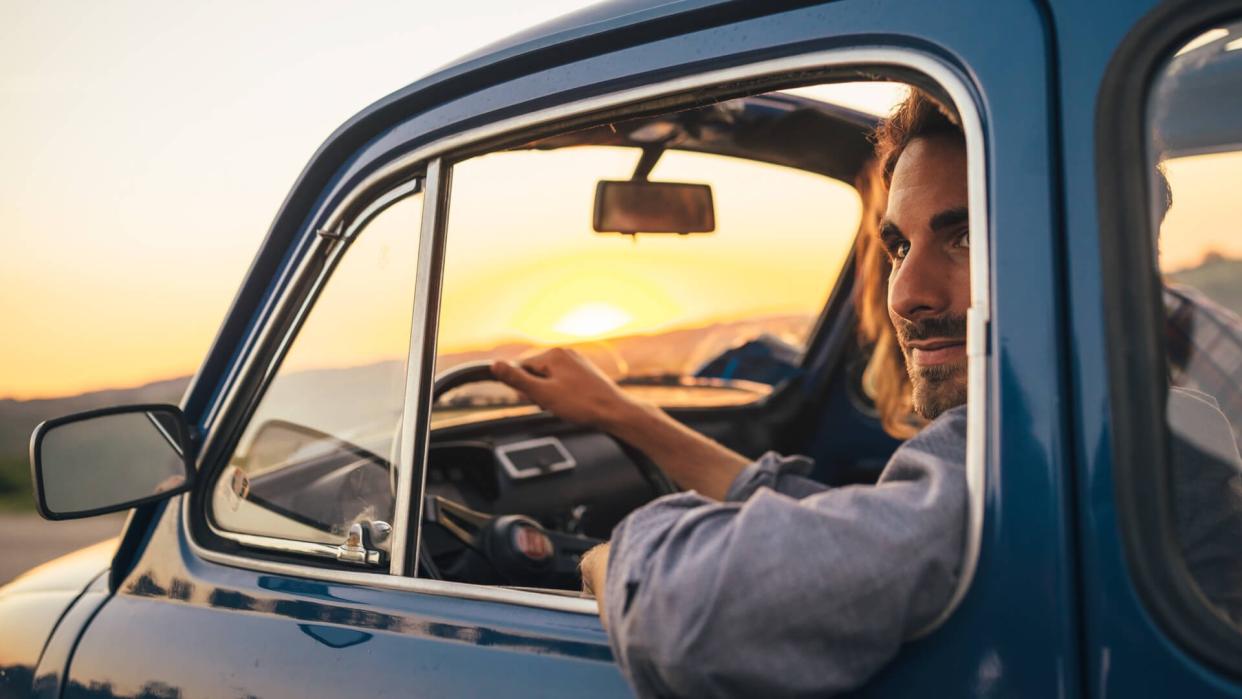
(776, 127)
(590, 31)
(594, 19)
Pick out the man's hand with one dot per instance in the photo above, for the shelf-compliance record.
(594, 568)
(565, 383)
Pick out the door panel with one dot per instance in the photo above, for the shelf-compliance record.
(185, 627)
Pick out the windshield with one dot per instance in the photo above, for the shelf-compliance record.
(703, 319)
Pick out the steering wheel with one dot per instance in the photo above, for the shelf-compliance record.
(460, 375)
(516, 548)
(472, 372)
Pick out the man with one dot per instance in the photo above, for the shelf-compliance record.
(757, 580)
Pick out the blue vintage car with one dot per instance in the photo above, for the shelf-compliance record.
(344, 504)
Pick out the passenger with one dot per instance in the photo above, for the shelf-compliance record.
(1204, 411)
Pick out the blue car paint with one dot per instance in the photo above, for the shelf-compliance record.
(1127, 653)
(35, 604)
(1026, 555)
(270, 635)
(1052, 611)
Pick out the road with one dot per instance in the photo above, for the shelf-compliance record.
(26, 539)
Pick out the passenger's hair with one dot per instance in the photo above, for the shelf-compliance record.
(885, 379)
(1166, 193)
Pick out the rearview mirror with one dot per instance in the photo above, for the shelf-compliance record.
(109, 460)
(639, 206)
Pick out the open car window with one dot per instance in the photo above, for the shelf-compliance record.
(717, 314)
(709, 313)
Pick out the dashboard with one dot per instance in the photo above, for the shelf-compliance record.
(572, 481)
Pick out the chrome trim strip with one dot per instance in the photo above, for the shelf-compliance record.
(482, 593)
(381, 204)
(412, 424)
(172, 441)
(978, 323)
(271, 543)
(978, 329)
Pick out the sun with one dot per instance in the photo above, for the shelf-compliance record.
(593, 319)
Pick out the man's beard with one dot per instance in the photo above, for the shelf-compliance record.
(936, 388)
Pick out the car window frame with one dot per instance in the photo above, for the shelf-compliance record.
(304, 280)
(831, 65)
(1134, 330)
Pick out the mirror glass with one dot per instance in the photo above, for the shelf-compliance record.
(653, 207)
(111, 461)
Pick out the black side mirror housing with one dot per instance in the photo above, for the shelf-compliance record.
(108, 460)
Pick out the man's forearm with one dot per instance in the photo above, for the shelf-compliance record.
(691, 459)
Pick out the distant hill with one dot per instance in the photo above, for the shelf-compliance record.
(358, 392)
(19, 417)
(673, 351)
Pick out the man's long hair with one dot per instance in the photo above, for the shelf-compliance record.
(885, 378)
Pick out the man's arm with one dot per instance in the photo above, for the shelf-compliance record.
(563, 382)
(776, 595)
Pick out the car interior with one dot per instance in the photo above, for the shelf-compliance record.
(514, 496)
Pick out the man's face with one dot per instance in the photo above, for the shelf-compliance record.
(926, 235)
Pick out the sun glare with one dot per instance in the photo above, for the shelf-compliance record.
(592, 320)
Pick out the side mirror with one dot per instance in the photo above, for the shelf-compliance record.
(108, 460)
(639, 206)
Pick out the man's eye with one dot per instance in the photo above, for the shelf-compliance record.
(899, 250)
(963, 240)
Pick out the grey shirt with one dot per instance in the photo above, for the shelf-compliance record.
(788, 588)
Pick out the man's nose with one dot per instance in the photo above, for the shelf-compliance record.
(919, 286)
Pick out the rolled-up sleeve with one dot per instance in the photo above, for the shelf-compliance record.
(784, 474)
(788, 588)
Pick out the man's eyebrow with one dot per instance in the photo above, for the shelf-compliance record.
(948, 218)
(888, 230)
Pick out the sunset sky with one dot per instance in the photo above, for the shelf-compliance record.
(148, 144)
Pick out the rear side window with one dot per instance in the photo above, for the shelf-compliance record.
(1195, 156)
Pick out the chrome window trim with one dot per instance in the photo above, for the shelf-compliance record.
(482, 593)
(420, 362)
(333, 247)
(978, 317)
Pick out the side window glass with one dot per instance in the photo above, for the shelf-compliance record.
(318, 453)
(1195, 158)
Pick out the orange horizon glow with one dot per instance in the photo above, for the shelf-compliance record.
(1206, 209)
(524, 264)
(148, 147)
(132, 214)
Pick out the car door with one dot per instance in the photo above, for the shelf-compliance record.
(289, 601)
(253, 587)
(1153, 284)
